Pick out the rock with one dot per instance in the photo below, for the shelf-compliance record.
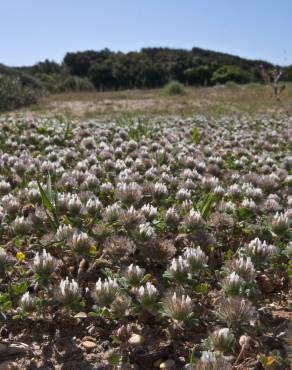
(157, 362)
(266, 284)
(136, 340)
(87, 344)
(144, 358)
(188, 367)
(244, 340)
(100, 367)
(81, 315)
(128, 367)
(9, 365)
(270, 284)
(91, 329)
(14, 348)
(168, 364)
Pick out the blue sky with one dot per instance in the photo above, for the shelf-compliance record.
(32, 30)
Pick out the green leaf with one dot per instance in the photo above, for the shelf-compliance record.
(243, 212)
(105, 312)
(201, 288)
(229, 255)
(18, 242)
(206, 206)
(192, 358)
(114, 359)
(146, 278)
(47, 201)
(68, 132)
(4, 297)
(92, 314)
(196, 136)
(49, 188)
(7, 306)
(19, 288)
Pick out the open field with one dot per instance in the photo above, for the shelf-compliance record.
(213, 102)
(142, 231)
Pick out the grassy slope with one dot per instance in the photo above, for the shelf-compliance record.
(213, 101)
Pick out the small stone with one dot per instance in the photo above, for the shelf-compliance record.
(88, 345)
(168, 364)
(136, 340)
(91, 330)
(244, 340)
(8, 365)
(100, 367)
(157, 362)
(127, 367)
(267, 285)
(81, 315)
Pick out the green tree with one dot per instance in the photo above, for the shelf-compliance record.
(228, 73)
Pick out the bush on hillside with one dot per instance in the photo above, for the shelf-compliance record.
(227, 73)
(13, 94)
(232, 85)
(174, 88)
(75, 84)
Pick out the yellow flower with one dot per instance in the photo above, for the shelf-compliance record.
(20, 256)
(270, 360)
(92, 250)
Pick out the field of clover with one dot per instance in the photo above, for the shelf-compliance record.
(166, 232)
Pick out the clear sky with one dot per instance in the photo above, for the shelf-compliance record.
(32, 30)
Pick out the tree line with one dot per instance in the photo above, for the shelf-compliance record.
(147, 68)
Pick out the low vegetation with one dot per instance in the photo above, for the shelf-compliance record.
(174, 88)
(143, 243)
(14, 95)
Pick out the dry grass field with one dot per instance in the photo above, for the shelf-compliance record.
(210, 101)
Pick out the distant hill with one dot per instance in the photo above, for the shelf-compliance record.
(147, 68)
(26, 79)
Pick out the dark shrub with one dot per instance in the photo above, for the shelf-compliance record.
(227, 73)
(14, 95)
(76, 84)
(174, 88)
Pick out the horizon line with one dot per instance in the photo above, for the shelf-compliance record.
(149, 47)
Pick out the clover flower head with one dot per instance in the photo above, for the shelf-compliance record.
(64, 232)
(105, 292)
(93, 206)
(134, 274)
(195, 258)
(260, 251)
(220, 340)
(44, 264)
(178, 307)
(74, 204)
(81, 242)
(149, 212)
(146, 231)
(147, 295)
(280, 223)
(69, 292)
(27, 302)
(179, 268)
(232, 284)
